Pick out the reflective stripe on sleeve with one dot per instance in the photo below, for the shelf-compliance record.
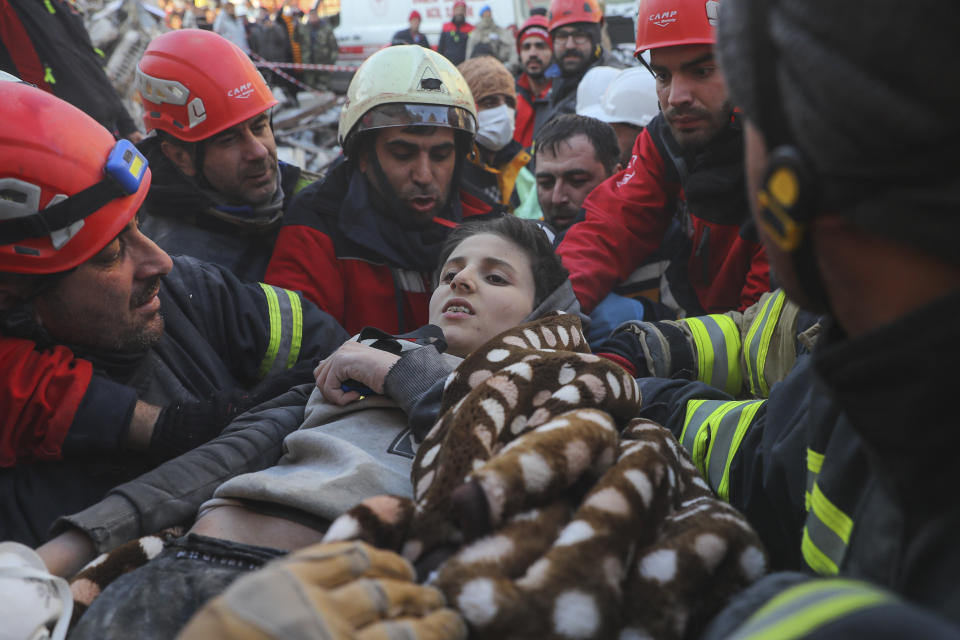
(717, 339)
(757, 343)
(712, 433)
(826, 534)
(801, 609)
(285, 314)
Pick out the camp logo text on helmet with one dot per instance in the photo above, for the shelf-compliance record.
(671, 23)
(242, 92)
(195, 84)
(406, 85)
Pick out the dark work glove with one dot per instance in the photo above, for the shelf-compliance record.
(184, 425)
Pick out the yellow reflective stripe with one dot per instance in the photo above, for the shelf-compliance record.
(816, 559)
(48, 76)
(758, 342)
(697, 415)
(837, 521)
(273, 345)
(814, 464)
(717, 341)
(796, 612)
(746, 419)
(49, 6)
(297, 317)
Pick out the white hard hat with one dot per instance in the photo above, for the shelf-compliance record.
(591, 89)
(406, 85)
(631, 98)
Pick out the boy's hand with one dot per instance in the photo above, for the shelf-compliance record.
(355, 362)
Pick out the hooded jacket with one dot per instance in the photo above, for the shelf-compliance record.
(354, 452)
(184, 219)
(357, 263)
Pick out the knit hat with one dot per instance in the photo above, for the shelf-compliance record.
(486, 75)
(535, 32)
(864, 95)
(415, 14)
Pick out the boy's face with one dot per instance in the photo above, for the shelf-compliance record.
(486, 287)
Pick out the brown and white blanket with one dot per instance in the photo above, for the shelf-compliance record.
(548, 510)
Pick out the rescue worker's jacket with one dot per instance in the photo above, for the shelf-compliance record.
(562, 98)
(183, 219)
(528, 105)
(847, 468)
(504, 179)
(453, 41)
(67, 410)
(628, 215)
(358, 264)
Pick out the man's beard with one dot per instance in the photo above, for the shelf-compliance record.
(536, 75)
(393, 204)
(712, 125)
(582, 62)
(569, 215)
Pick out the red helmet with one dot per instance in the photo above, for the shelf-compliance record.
(68, 187)
(195, 84)
(569, 11)
(668, 23)
(537, 26)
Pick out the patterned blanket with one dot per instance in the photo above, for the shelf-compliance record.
(544, 509)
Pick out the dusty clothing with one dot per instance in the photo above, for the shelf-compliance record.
(488, 38)
(524, 418)
(318, 45)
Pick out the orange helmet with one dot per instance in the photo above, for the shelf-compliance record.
(537, 26)
(569, 11)
(195, 84)
(668, 23)
(68, 187)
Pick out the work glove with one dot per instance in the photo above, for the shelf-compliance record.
(185, 425)
(612, 311)
(338, 591)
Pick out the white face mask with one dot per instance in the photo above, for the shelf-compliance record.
(495, 127)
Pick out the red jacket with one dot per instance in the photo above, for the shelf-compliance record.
(527, 104)
(628, 214)
(357, 264)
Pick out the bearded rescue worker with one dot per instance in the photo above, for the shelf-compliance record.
(362, 243)
(687, 164)
(847, 471)
(218, 191)
(115, 357)
(575, 32)
(536, 56)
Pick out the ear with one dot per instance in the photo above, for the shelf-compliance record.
(362, 164)
(180, 157)
(618, 168)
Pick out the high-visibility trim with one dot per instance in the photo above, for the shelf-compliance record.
(717, 341)
(712, 433)
(799, 610)
(758, 343)
(273, 344)
(285, 312)
(814, 464)
(296, 312)
(826, 534)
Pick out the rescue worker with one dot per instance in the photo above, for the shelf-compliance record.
(115, 356)
(489, 38)
(453, 37)
(843, 470)
(47, 45)
(536, 56)
(497, 166)
(318, 45)
(412, 35)
(219, 191)
(687, 164)
(361, 244)
(575, 33)
(574, 155)
(231, 26)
